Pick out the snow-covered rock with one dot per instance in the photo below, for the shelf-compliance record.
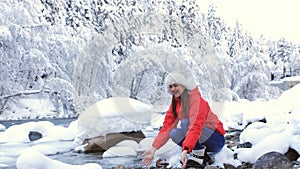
(119, 151)
(2, 127)
(278, 142)
(49, 132)
(116, 114)
(129, 143)
(36, 160)
(45, 149)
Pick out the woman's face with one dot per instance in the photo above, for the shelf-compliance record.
(176, 89)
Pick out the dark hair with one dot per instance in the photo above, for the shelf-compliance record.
(184, 98)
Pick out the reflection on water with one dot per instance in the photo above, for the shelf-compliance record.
(77, 158)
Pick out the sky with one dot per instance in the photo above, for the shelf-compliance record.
(272, 18)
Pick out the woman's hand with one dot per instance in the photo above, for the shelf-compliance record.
(183, 159)
(148, 156)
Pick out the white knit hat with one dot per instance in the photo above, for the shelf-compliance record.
(180, 77)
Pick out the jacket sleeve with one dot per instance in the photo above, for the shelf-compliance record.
(198, 112)
(163, 135)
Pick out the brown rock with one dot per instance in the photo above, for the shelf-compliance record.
(210, 167)
(292, 154)
(102, 143)
(229, 166)
(245, 166)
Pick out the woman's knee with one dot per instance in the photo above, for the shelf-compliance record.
(215, 144)
(176, 135)
(185, 124)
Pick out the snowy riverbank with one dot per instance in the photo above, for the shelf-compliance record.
(278, 132)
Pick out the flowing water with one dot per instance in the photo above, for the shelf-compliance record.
(67, 154)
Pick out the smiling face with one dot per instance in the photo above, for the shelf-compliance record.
(176, 89)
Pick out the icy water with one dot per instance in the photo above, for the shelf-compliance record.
(8, 151)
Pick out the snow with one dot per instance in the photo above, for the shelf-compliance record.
(119, 151)
(45, 149)
(255, 132)
(53, 65)
(129, 143)
(2, 127)
(278, 142)
(292, 78)
(50, 132)
(225, 156)
(68, 61)
(264, 137)
(5, 34)
(40, 107)
(98, 119)
(37, 160)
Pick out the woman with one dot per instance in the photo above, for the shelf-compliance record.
(200, 131)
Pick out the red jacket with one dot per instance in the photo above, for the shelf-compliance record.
(199, 114)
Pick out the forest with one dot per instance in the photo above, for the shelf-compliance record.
(73, 53)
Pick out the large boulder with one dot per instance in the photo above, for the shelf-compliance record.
(103, 143)
(113, 115)
(273, 160)
(110, 121)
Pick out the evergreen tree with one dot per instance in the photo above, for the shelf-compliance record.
(217, 29)
(280, 53)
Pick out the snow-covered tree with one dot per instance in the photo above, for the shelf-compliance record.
(217, 29)
(76, 52)
(294, 64)
(285, 57)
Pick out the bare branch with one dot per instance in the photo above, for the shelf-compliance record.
(26, 92)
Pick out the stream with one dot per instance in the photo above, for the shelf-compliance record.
(9, 151)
